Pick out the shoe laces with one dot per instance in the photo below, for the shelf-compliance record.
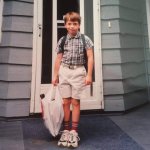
(73, 137)
(64, 135)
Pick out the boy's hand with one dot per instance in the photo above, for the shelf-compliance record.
(56, 68)
(88, 80)
(55, 80)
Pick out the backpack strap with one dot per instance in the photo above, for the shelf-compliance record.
(84, 50)
(84, 44)
(63, 43)
(83, 40)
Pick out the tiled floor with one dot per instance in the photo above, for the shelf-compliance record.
(136, 124)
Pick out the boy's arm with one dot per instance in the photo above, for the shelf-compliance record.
(56, 68)
(90, 64)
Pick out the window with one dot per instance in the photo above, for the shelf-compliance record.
(1, 17)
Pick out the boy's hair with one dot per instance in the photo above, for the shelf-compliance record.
(72, 16)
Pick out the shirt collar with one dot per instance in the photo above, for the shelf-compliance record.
(76, 37)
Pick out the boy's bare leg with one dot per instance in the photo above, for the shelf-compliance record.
(75, 113)
(73, 136)
(66, 107)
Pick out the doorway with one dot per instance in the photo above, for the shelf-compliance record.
(48, 28)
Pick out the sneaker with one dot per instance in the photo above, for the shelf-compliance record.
(73, 139)
(64, 138)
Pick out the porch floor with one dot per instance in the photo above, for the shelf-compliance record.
(130, 131)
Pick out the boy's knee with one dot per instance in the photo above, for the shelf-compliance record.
(75, 102)
(66, 102)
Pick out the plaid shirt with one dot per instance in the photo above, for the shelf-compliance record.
(74, 49)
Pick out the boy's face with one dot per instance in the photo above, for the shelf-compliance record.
(72, 27)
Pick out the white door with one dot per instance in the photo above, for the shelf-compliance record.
(48, 28)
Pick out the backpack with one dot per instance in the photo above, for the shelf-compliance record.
(84, 44)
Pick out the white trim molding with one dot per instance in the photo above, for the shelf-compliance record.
(37, 53)
(98, 51)
(1, 17)
(148, 18)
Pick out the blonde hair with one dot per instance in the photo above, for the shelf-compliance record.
(72, 16)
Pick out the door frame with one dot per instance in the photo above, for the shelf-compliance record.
(98, 49)
(148, 26)
(37, 51)
(36, 54)
(148, 18)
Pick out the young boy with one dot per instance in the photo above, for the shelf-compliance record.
(72, 76)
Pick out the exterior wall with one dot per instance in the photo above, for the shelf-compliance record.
(132, 16)
(16, 58)
(111, 56)
(123, 47)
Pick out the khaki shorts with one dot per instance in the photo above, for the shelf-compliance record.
(72, 81)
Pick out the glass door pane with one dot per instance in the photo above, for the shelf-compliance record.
(46, 75)
(88, 18)
(64, 6)
(88, 24)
